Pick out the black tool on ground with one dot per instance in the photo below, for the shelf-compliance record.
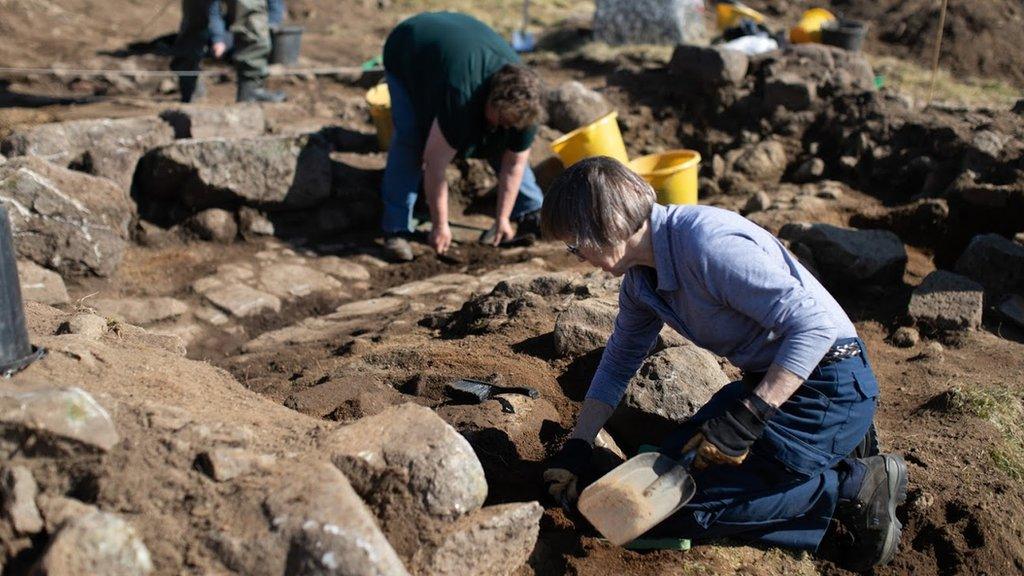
(286, 44)
(846, 34)
(469, 391)
(16, 353)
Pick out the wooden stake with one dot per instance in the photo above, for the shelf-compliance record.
(938, 48)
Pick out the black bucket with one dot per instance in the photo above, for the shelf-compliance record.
(287, 43)
(16, 353)
(848, 34)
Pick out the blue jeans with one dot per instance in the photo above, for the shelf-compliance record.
(785, 492)
(404, 171)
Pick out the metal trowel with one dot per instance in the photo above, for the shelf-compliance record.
(637, 495)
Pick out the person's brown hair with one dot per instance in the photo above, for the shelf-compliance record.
(596, 203)
(516, 94)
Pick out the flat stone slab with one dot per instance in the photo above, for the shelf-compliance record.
(378, 306)
(242, 301)
(343, 269)
(291, 281)
(140, 311)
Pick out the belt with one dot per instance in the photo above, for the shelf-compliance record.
(835, 354)
(841, 352)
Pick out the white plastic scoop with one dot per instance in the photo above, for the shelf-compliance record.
(636, 496)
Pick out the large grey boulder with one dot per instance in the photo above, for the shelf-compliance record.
(584, 326)
(708, 66)
(411, 468)
(329, 529)
(96, 543)
(68, 419)
(571, 105)
(65, 220)
(273, 173)
(995, 262)
(947, 301)
(848, 258)
(647, 22)
(494, 541)
(41, 285)
(104, 147)
(205, 121)
(667, 390)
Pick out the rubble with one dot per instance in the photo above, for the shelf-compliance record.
(708, 66)
(329, 529)
(848, 258)
(404, 453)
(1013, 309)
(494, 541)
(109, 148)
(994, 262)
(906, 337)
(224, 464)
(68, 419)
(18, 495)
(571, 105)
(214, 224)
(271, 173)
(96, 543)
(71, 222)
(41, 285)
(205, 121)
(584, 326)
(667, 390)
(947, 301)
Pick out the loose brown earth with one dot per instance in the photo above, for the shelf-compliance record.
(963, 514)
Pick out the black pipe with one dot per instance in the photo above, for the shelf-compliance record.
(16, 352)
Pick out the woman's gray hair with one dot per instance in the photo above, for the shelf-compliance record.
(596, 203)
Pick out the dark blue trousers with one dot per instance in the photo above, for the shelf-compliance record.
(785, 492)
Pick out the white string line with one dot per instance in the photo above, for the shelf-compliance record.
(172, 73)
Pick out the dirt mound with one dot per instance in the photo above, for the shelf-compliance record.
(982, 39)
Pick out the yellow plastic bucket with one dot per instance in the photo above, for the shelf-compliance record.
(728, 15)
(672, 174)
(808, 29)
(599, 138)
(379, 100)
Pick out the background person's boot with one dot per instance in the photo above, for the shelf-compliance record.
(397, 249)
(192, 88)
(254, 91)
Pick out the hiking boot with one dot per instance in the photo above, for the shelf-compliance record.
(869, 519)
(253, 91)
(397, 249)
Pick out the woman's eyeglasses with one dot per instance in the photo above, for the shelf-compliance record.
(574, 250)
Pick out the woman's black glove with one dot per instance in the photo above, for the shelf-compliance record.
(727, 439)
(561, 478)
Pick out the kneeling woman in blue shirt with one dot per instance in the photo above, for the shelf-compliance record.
(773, 451)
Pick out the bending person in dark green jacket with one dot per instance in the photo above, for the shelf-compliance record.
(457, 88)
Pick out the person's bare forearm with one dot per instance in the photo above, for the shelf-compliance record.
(435, 185)
(777, 385)
(510, 177)
(592, 418)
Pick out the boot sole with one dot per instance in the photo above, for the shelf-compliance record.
(896, 476)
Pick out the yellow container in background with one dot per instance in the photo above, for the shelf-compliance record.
(672, 174)
(599, 138)
(808, 29)
(379, 100)
(728, 15)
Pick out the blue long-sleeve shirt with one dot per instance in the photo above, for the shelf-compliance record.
(218, 28)
(729, 286)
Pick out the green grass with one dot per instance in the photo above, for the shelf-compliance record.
(1004, 408)
(915, 81)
